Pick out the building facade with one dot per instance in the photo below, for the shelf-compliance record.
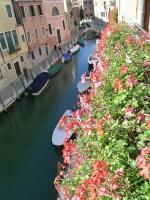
(135, 12)
(13, 46)
(31, 15)
(57, 28)
(102, 8)
(88, 8)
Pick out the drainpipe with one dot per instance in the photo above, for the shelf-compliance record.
(140, 13)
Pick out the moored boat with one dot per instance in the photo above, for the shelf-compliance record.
(59, 135)
(75, 49)
(54, 69)
(39, 84)
(83, 85)
(81, 41)
(92, 60)
(66, 57)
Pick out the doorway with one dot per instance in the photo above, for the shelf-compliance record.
(17, 68)
(59, 36)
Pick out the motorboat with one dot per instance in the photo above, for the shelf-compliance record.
(59, 135)
(81, 41)
(54, 69)
(83, 85)
(66, 57)
(39, 84)
(92, 59)
(75, 49)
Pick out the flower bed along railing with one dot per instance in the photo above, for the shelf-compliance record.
(111, 156)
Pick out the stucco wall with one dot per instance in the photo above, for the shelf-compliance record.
(9, 24)
(56, 21)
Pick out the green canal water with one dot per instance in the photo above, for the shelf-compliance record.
(27, 158)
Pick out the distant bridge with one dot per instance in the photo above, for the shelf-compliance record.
(92, 29)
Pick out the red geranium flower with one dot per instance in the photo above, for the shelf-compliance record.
(128, 39)
(123, 69)
(118, 85)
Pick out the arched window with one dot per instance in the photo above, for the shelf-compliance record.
(55, 11)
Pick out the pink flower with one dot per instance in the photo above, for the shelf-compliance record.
(128, 112)
(145, 172)
(103, 192)
(117, 47)
(140, 118)
(131, 81)
(143, 162)
(119, 171)
(114, 186)
(139, 42)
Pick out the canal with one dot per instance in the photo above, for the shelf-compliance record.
(27, 158)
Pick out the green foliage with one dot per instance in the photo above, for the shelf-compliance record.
(123, 136)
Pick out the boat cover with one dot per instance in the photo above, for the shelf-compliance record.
(54, 69)
(66, 56)
(39, 82)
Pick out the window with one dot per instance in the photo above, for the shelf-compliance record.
(36, 33)
(55, 11)
(63, 25)
(23, 38)
(9, 66)
(85, 2)
(103, 14)
(10, 42)
(22, 11)
(2, 41)
(21, 58)
(39, 7)
(90, 2)
(32, 55)
(31, 8)
(8, 9)
(28, 36)
(14, 33)
(46, 48)
(1, 75)
(40, 51)
(104, 4)
(50, 29)
(43, 30)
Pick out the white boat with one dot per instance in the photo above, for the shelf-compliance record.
(75, 49)
(59, 135)
(92, 60)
